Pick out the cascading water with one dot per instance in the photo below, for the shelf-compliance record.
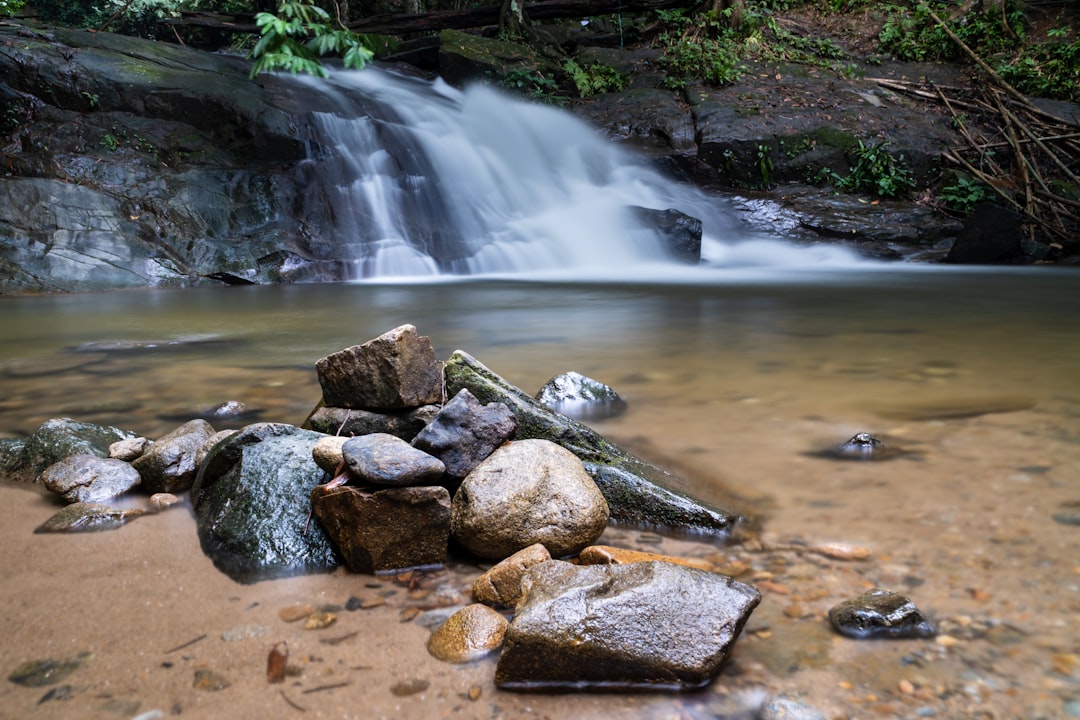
(418, 179)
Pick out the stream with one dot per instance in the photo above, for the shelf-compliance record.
(734, 379)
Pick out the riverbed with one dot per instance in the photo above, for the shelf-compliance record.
(734, 380)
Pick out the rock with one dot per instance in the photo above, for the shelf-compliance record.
(207, 679)
(57, 439)
(389, 529)
(88, 517)
(880, 614)
(634, 489)
(208, 445)
(469, 634)
(383, 459)
(327, 453)
(465, 432)
(650, 625)
(159, 502)
(782, 707)
(992, 234)
(251, 508)
(396, 370)
(501, 584)
(861, 446)
(608, 555)
(42, 673)
(128, 450)
(580, 397)
(353, 421)
(528, 491)
(680, 234)
(170, 463)
(89, 478)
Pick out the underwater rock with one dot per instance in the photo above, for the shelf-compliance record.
(384, 459)
(41, 673)
(635, 490)
(469, 634)
(88, 517)
(170, 464)
(649, 625)
(580, 397)
(390, 529)
(501, 584)
(251, 504)
(396, 370)
(861, 446)
(526, 492)
(55, 440)
(89, 478)
(880, 614)
(465, 432)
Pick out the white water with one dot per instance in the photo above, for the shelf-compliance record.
(424, 181)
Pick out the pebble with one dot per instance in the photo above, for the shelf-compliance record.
(1070, 518)
(319, 620)
(409, 687)
(608, 555)
(40, 673)
(786, 708)
(207, 679)
(163, 501)
(243, 632)
(469, 634)
(296, 612)
(88, 517)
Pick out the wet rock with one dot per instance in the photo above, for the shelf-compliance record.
(608, 555)
(384, 459)
(353, 421)
(42, 673)
(128, 450)
(782, 707)
(469, 634)
(528, 491)
(55, 440)
(861, 446)
(650, 625)
(208, 445)
(501, 584)
(251, 509)
(163, 501)
(89, 478)
(396, 370)
(327, 453)
(580, 397)
(1067, 518)
(319, 620)
(679, 233)
(389, 529)
(465, 432)
(635, 490)
(992, 234)
(88, 517)
(170, 463)
(412, 686)
(880, 614)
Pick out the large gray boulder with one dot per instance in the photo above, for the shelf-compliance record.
(54, 440)
(636, 491)
(251, 504)
(649, 625)
(527, 492)
(89, 478)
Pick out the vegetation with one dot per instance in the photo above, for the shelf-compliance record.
(875, 171)
(299, 34)
(594, 79)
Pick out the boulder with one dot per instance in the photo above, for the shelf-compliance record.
(580, 397)
(648, 625)
(391, 529)
(383, 459)
(880, 614)
(465, 432)
(396, 370)
(469, 634)
(526, 492)
(55, 440)
(89, 478)
(992, 234)
(501, 584)
(251, 504)
(170, 464)
(354, 421)
(679, 233)
(635, 490)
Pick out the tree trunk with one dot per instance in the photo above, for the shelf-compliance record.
(513, 22)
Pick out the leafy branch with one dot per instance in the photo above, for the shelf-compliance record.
(299, 35)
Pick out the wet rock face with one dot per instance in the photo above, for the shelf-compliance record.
(465, 432)
(526, 492)
(251, 509)
(170, 464)
(879, 614)
(501, 585)
(396, 370)
(642, 625)
(389, 529)
(89, 478)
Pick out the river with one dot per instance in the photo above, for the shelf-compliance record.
(733, 378)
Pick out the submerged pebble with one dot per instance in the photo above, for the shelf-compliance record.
(408, 687)
(861, 446)
(469, 634)
(40, 673)
(88, 517)
(879, 614)
(207, 679)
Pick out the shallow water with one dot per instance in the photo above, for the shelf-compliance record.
(733, 379)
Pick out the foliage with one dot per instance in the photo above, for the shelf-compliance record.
(595, 79)
(876, 172)
(10, 7)
(299, 35)
(910, 33)
(534, 85)
(1051, 69)
(963, 193)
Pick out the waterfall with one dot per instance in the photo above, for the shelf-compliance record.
(408, 178)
